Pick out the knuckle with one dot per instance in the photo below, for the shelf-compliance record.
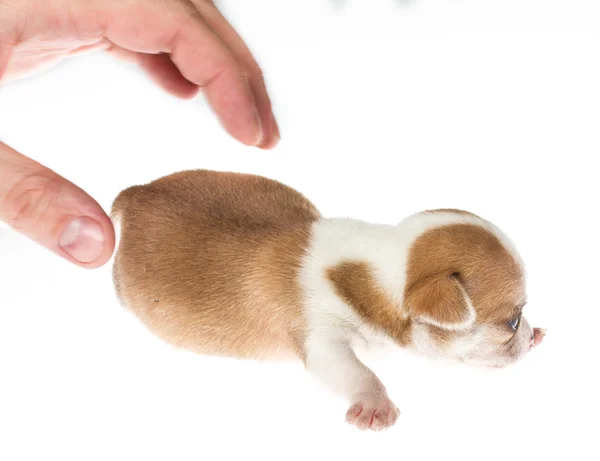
(29, 200)
(257, 71)
(251, 71)
(221, 70)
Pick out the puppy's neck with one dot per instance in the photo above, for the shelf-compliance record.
(353, 281)
(383, 247)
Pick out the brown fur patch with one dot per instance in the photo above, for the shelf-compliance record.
(440, 298)
(354, 282)
(209, 261)
(475, 258)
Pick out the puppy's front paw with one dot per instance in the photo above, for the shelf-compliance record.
(375, 413)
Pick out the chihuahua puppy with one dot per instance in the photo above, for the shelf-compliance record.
(243, 266)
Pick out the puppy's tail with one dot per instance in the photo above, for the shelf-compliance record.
(119, 206)
(120, 203)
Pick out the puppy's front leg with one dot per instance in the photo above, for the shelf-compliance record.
(335, 365)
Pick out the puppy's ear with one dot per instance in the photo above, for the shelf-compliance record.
(442, 302)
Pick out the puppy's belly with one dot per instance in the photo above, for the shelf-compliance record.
(207, 312)
(206, 332)
(214, 336)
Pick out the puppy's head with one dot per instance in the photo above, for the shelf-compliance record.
(465, 291)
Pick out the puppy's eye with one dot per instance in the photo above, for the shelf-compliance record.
(514, 323)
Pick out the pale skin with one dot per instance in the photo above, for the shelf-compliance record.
(185, 46)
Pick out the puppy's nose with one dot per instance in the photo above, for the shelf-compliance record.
(537, 337)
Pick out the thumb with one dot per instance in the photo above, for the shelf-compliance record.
(52, 211)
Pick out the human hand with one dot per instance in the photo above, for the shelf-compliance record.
(184, 45)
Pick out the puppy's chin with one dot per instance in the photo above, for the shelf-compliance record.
(490, 363)
(483, 346)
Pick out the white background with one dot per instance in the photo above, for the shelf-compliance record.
(386, 108)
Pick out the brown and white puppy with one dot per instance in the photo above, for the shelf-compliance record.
(239, 265)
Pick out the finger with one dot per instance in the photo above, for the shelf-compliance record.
(236, 44)
(201, 57)
(52, 211)
(161, 69)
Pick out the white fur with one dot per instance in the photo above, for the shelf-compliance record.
(473, 348)
(422, 343)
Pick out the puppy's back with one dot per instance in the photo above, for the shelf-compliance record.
(209, 260)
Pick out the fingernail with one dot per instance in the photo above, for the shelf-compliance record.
(256, 114)
(83, 239)
(274, 136)
(276, 128)
(261, 133)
